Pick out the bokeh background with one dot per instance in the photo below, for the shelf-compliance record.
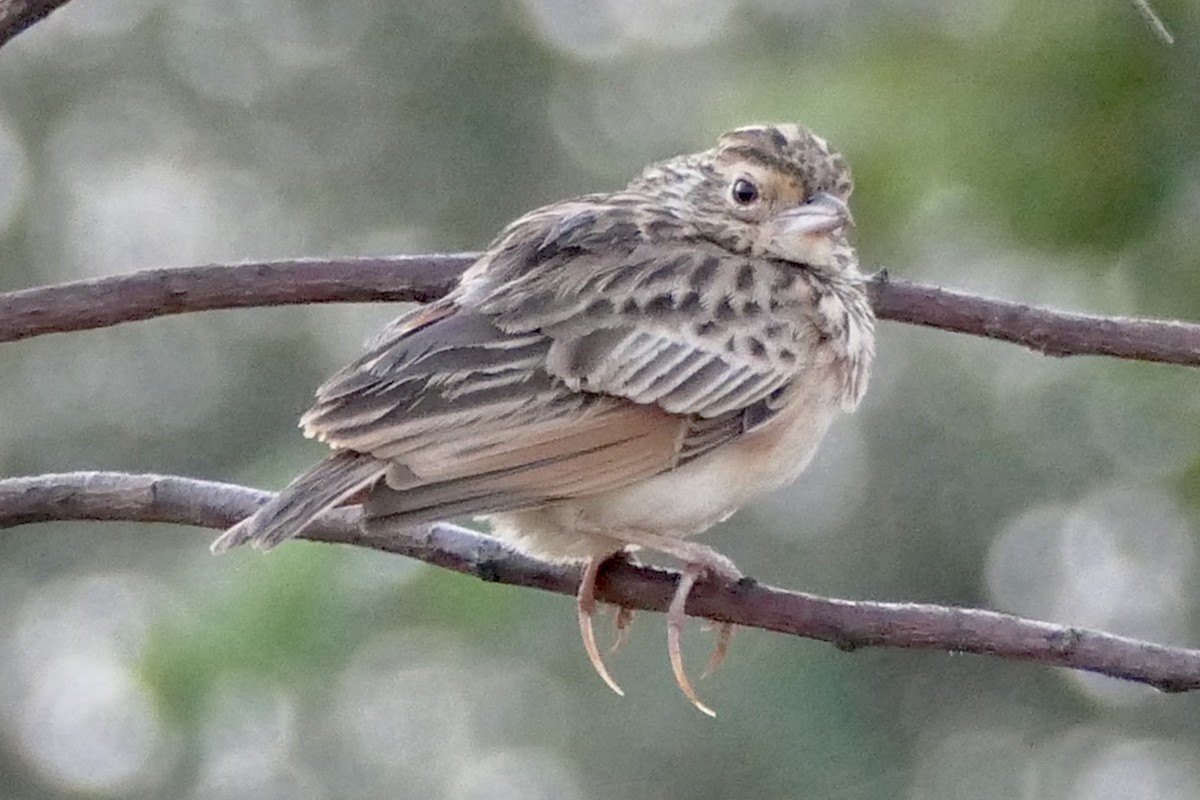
(1041, 152)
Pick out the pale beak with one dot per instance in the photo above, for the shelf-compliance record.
(822, 214)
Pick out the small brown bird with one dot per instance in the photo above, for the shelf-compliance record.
(617, 371)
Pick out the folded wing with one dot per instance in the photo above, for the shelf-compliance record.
(610, 362)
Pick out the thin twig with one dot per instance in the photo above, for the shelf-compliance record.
(1153, 20)
(847, 624)
(83, 305)
(17, 15)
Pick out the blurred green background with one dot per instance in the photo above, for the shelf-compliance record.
(1046, 153)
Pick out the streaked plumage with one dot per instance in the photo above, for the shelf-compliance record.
(616, 370)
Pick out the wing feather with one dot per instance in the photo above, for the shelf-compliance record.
(692, 328)
(471, 422)
(574, 359)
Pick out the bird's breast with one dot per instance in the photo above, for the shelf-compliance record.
(702, 492)
(690, 499)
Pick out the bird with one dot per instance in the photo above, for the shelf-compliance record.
(616, 372)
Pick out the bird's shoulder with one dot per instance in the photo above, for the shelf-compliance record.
(611, 226)
(627, 254)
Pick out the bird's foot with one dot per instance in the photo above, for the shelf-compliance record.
(699, 562)
(586, 604)
(703, 562)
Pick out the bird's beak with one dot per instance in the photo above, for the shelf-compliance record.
(822, 214)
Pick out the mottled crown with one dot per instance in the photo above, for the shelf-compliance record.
(791, 150)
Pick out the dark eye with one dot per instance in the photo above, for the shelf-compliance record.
(744, 192)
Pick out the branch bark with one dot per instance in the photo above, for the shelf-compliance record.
(84, 305)
(89, 304)
(844, 623)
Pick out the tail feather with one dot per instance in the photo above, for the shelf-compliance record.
(307, 497)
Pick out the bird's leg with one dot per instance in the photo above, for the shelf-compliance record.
(699, 561)
(586, 603)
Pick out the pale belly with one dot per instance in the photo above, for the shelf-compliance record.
(679, 503)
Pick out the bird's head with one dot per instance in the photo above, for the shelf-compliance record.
(776, 191)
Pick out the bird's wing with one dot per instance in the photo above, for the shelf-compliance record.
(471, 422)
(682, 323)
(502, 397)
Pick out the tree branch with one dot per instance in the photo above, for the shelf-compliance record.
(84, 305)
(847, 624)
(17, 15)
(99, 303)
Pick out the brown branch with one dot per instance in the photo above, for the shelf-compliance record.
(1054, 333)
(99, 303)
(84, 305)
(17, 15)
(847, 624)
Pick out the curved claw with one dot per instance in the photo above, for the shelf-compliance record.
(586, 604)
(676, 619)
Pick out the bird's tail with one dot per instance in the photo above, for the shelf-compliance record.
(323, 487)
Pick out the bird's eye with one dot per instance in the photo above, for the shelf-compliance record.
(744, 192)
